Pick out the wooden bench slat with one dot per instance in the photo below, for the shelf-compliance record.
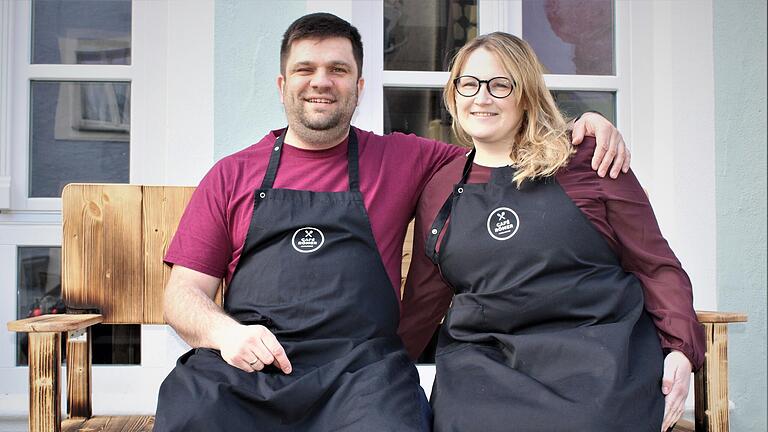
(44, 382)
(102, 254)
(720, 317)
(54, 323)
(109, 424)
(162, 207)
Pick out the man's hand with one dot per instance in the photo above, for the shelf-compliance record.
(190, 310)
(252, 347)
(674, 385)
(610, 144)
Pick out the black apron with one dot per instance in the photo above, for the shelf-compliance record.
(546, 331)
(310, 271)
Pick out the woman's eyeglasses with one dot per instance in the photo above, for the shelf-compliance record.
(498, 87)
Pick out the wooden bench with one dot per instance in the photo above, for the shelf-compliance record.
(114, 240)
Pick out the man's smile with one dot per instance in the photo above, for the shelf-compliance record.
(319, 100)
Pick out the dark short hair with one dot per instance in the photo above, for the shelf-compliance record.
(321, 25)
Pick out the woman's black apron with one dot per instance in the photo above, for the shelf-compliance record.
(546, 331)
(310, 271)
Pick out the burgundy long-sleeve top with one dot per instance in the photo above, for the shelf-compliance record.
(619, 210)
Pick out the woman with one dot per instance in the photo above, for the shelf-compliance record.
(556, 276)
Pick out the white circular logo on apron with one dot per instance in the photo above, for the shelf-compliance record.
(307, 239)
(503, 223)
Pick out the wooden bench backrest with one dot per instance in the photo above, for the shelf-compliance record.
(115, 237)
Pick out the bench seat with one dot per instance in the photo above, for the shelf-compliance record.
(109, 424)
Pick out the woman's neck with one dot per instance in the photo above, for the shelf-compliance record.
(492, 155)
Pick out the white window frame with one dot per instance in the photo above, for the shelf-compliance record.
(145, 102)
(6, 42)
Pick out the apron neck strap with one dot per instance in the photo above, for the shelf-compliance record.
(352, 162)
(445, 211)
(353, 166)
(468, 165)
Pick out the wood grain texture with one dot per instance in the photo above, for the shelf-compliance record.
(44, 385)
(219, 297)
(79, 401)
(110, 424)
(54, 323)
(102, 254)
(720, 317)
(711, 382)
(115, 238)
(162, 209)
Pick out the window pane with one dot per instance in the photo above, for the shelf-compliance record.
(39, 292)
(571, 36)
(81, 32)
(423, 35)
(116, 344)
(79, 132)
(39, 289)
(574, 103)
(417, 111)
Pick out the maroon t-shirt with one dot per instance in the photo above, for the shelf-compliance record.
(619, 210)
(393, 171)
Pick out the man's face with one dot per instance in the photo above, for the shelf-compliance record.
(320, 87)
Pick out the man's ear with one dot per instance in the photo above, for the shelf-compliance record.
(360, 87)
(281, 86)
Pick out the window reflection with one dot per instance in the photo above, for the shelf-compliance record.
(573, 103)
(79, 132)
(571, 36)
(423, 35)
(417, 111)
(81, 32)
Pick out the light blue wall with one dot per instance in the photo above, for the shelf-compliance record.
(740, 161)
(247, 62)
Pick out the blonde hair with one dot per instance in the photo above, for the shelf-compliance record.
(541, 145)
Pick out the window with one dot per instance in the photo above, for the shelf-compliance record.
(79, 131)
(71, 114)
(72, 123)
(420, 39)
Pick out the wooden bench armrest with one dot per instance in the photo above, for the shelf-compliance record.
(54, 323)
(711, 381)
(45, 366)
(720, 317)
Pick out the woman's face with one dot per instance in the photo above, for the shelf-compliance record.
(490, 121)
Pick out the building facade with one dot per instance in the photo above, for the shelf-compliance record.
(155, 92)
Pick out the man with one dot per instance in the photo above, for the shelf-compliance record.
(306, 228)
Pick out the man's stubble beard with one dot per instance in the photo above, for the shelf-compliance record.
(320, 131)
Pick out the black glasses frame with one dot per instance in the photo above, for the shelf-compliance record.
(487, 86)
